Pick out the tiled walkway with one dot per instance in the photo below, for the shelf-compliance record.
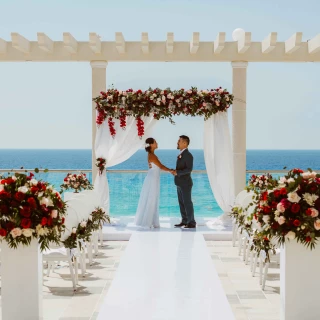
(243, 291)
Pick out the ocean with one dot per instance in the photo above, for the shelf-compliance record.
(125, 187)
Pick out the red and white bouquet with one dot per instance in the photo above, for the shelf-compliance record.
(30, 209)
(159, 103)
(291, 209)
(261, 182)
(101, 164)
(77, 182)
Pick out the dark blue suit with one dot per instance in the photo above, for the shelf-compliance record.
(184, 184)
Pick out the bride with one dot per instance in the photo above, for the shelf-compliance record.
(147, 214)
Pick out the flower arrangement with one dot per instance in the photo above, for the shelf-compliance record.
(117, 104)
(291, 210)
(77, 182)
(30, 209)
(261, 182)
(101, 165)
(84, 230)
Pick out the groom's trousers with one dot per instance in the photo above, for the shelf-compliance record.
(186, 205)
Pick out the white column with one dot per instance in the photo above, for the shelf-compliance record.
(99, 83)
(21, 282)
(239, 90)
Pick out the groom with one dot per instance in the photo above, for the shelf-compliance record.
(184, 183)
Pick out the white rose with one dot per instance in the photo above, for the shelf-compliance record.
(1, 187)
(293, 197)
(44, 201)
(313, 174)
(310, 198)
(266, 219)
(306, 175)
(14, 178)
(40, 194)
(290, 180)
(23, 189)
(281, 220)
(54, 214)
(158, 103)
(83, 224)
(282, 180)
(74, 230)
(27, 232)
(34, 182)
(290, 235)
(16, 232)
(90, 217)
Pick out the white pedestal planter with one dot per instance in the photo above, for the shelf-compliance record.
(21, 282)
(299, 282)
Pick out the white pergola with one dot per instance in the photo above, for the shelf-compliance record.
(239, 52)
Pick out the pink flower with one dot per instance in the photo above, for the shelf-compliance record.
(281, 220)
(314, 212)
(317, 224)
(16, 232)
(54, 214)
(280, 207)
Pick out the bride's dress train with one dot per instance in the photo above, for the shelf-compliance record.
(147, 214)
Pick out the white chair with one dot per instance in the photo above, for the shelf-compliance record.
(83, 208)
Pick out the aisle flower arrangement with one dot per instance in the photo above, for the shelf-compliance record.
(83, 231)
(285, 209)
(76, 182)
(30, 209)
(101, 164)
(159, 103)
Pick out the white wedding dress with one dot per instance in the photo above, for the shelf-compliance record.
(147, 214)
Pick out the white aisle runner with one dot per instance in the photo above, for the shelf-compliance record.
(166, 276)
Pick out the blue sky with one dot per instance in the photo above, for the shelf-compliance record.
(47, 105)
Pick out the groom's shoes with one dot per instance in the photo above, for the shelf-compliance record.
(190, 226)
(181, 224)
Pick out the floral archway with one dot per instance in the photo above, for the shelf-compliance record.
(125, 117)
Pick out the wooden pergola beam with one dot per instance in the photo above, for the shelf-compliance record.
(244, 42)
(145, 42)
(94, 42)
(44, 42)
(120, 43)
(195, 43)
(269, 43)
(20, 43)
(70, 43)
(293, 43)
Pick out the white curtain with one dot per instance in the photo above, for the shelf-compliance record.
(219, 160)
(118, 149)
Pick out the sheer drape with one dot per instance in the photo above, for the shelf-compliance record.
(118, 149)
(218, 160)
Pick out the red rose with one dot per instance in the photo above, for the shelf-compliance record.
(267, 210)
(19, 196)
(25, 211)
(44, 208)
(25, 223)
(283, 191)
(10, 225)
(4, 209)
(308, 239)
(49, 221)
(276, 193)
(62, 220)
(264, 196)
(32, 202)
(9, 181)
(43, 187)
(3, 232)
(265, 239)
(59, 204)
(34, 189)
(4, 194)
(286, 203)
(274, 204)
(44, 221)
(275, 225)
(295, 208)
(15, 203)
(308, 212)
(296, 223)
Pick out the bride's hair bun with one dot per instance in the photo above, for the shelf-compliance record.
(148, 142)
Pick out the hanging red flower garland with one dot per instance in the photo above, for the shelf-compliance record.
(161, 104)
